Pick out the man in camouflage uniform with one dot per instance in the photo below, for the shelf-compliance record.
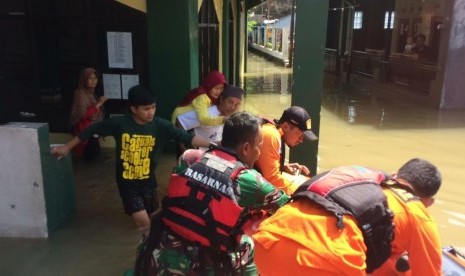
(173, 253)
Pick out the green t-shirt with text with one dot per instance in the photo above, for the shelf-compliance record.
(138, 147)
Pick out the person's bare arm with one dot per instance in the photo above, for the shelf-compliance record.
(65, 149)
(198, 141)
(101, 101)
(296, 168)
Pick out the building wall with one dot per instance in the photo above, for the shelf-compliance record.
(44, 45)
(37, 191)
(415, 17)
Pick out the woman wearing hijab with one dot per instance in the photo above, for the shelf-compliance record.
(201, 98)
(86, 110)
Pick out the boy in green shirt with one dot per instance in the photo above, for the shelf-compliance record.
(140, 138)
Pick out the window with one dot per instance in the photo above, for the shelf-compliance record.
(358, 18)
(389, 20)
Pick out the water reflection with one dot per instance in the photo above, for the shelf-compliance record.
(384, 106)
(265, 77)
(269, 84)
(352, 113)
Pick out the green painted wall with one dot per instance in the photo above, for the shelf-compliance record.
(59, 183)
(173, 51)
(36, 189)
(225, 38)
(310, 39)
(238, 45)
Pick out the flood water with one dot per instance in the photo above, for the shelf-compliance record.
(376, 125)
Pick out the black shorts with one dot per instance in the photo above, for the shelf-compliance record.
(138, 197)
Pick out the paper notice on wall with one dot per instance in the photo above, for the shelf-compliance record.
(119, 46)
(128, 81)
(112, 86)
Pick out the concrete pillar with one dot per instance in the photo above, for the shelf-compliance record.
(308, 67)
(37, 191)
(172, 30)
(453, 53)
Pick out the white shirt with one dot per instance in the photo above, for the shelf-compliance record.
(190, 120)
(409, 47)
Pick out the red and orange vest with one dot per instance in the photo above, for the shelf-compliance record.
(201, 203)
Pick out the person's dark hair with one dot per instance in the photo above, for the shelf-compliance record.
(232, 91)
(140, 95)
(424, 177)
(241, 127)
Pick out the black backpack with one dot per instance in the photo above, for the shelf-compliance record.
(356, 191)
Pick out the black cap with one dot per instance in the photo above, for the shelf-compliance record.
(297, 116)
(232, 91)
(139, 95)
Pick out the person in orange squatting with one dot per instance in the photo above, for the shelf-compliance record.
(303, 238)
(294, 127)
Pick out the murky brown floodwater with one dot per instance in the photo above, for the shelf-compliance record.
(381, 126)
(360, 124)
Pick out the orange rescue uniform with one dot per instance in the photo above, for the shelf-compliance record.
(416, 232)
(268, 162)
(301, 238)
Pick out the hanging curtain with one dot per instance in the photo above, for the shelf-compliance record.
(219, 14)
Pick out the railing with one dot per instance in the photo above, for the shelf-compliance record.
(330, 60)
(406, 70)
(367, 62)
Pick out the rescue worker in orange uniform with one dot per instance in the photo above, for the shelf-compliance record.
(416, 232)
(304, 239)
(294, 126)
